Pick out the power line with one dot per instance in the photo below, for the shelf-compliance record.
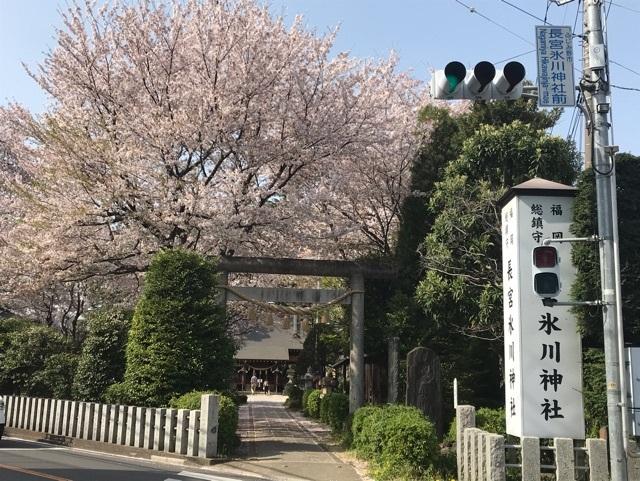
(514, 57)
(575, 22)
(474, 10)
(528, 13)
(624, 7)
(625, 88)
(624, 67)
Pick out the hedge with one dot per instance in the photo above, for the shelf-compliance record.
(227, 417)
(305, 399)
(294, 394)
(398, 440)
(313, 403)
(336, 410)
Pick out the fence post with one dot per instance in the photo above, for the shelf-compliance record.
(74, 425)
(96, 429)
(46, 415)
(158, 438)
(495, 459)
(170, 431)
(60, 417)
(480, 451)
(38, 418)
(104, 425)
(149, 428)
(122, 425)
(565, 458)
(87, 425)
(113, 427)
(598, 461)
(209, 408)
(132, 426)
(141, 423)
(182, 431)
(465, 418)
(530, 455)
(194, 424)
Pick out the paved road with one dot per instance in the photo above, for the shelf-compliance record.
(32, 461)
(285, 446)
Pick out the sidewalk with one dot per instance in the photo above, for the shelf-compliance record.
(283, 445)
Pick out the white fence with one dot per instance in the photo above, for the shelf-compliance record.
(180, 431)
(481, 455)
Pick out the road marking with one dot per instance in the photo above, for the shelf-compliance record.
(209, 477)
(32, 449)
(32, 473)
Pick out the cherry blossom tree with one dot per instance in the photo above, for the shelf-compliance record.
(206, 124)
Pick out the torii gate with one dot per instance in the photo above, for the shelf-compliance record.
(356, 271)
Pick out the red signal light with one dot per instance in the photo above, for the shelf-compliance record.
(545, 257)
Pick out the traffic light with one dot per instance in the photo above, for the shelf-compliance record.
(545, 276)
(483, 82)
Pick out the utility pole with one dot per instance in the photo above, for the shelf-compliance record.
(588, 139)
(596, 81)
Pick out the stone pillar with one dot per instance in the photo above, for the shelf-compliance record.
(122, 425)
(104, 424)
(194, 424)
(39, 412)
(158, 438)
(113, 424)
(149, 428)
(465, 418)
(55, 413)
(96, 428)
(73, 419)
(87, 424)
(24, 424)
(423, 385)
(392, 369)
(356, 355)
(530, 458)
(481, 454)
(46, 415)
(66, 418)
(633, 461)
(82, 409)
(132, 426)
(33, 416)
(141, 423)
(598, 460)
(170, 430)
(565, 460)
(60, 417)
(209, 408)
(495, 458)
(8, 409)
(182, 431)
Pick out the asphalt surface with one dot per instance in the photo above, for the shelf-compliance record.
(285, 446)
(277, 445)
(32, 461)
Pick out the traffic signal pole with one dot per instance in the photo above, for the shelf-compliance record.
(603, 165)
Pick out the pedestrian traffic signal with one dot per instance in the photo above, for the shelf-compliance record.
(483, 82)
(545, 277)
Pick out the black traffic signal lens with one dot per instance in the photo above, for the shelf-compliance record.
(546, 283)
(545, 256)
(514, 73)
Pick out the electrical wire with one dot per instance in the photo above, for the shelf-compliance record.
(514, 57)
(624, 67)
(474, 10)
(546, 12)
(529, 13)
(625, 88)
(575, 21)
(623, 7)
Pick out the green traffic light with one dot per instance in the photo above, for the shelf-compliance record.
(453, 82)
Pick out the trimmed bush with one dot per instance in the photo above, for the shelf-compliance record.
(305, 399)
(324, 408)
(337, 411)
(179, 338)
(227, 417)
(398, 440)
(313, 403)
(294, 393)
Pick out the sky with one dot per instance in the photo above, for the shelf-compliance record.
(426, 34)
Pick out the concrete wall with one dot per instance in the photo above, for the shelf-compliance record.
(177, 431)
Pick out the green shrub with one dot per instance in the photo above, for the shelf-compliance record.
(337, 411)
(313, 403)
(102, 360)
(398, 440)
(227, 417)
(179, 338)
(489, 419)
(324, 408)
(294, 399)
(305, 399)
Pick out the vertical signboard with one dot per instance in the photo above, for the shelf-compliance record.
(543, 356)
(554, 47)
